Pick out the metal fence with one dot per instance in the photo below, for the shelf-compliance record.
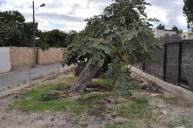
(173, 63)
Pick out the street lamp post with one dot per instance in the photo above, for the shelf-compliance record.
(33, 41)
(33, 29)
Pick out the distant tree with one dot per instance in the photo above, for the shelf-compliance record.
(13, 17)
(161, 27)
(40, 40)
(70, 37)
(177, 30)
(9, 27)
(14, 31)
(55, 38)
(188, 11)
(27, 33)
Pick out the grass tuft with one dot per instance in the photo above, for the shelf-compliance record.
(60, 104)
(136, 108)
(93, 96)
(32, 100)
(106, 82)
(110, 126)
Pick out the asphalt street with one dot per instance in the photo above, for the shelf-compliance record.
(16, 77)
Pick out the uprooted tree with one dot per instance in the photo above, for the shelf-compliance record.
(119, 37)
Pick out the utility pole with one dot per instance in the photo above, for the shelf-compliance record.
(33, 29)
(33, 42)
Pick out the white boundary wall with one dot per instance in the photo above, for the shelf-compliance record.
(5, 63)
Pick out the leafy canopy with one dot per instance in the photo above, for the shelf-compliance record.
(188, 11)
(55, 38)
(122, 33)
(177, 30)
(161, 27)
(14, 31)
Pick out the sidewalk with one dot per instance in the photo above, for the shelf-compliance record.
(11, 79)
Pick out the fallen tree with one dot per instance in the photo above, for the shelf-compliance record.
(122, 33)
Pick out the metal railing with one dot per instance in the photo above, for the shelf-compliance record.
(173, 63)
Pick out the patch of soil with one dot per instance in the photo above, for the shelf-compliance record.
(100, 107)
(151, 87)
(97, 87)
(167, 111)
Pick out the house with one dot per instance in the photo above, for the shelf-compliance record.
(158, 33)
(187, 35)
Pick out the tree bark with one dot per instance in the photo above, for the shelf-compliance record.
(86, 75)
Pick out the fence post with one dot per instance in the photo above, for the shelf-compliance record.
(179, 63)
(143, 66)
(165, 62)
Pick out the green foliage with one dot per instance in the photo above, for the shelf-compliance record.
(188, 11)
(161, 27)
(121, 78)
(11, 17)
(135, 84)
(122, 33)
(49, 96)
(60, 104)
(177, 30)
(110, 126)
(38, 92)
(70, 37)
(136, 108)
(27, 33)
(55, 38)
(93, 96)
(14, 31)
(41, 99)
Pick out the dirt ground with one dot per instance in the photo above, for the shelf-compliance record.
(18, 119)
(168, 111)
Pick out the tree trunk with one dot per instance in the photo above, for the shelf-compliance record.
(86, 75)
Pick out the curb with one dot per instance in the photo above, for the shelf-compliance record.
(174, 89)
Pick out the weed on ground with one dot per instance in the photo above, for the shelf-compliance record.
(141, 110)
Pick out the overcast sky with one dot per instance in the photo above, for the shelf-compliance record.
(69, 15)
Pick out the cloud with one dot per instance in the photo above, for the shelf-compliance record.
(70, 14)
(169, 12)
(1, 2)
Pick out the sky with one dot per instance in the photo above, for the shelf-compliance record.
(69, 15)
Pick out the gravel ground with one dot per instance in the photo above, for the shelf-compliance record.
(169, 111)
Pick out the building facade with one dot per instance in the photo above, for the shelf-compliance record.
(158, 33)
(187, 35)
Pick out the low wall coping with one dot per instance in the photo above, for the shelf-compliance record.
(174, 89)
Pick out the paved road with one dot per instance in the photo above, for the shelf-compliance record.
(14, 78)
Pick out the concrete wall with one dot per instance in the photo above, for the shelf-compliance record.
(50, 56)
(13, 58)
(5, 64)
(21, 57)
